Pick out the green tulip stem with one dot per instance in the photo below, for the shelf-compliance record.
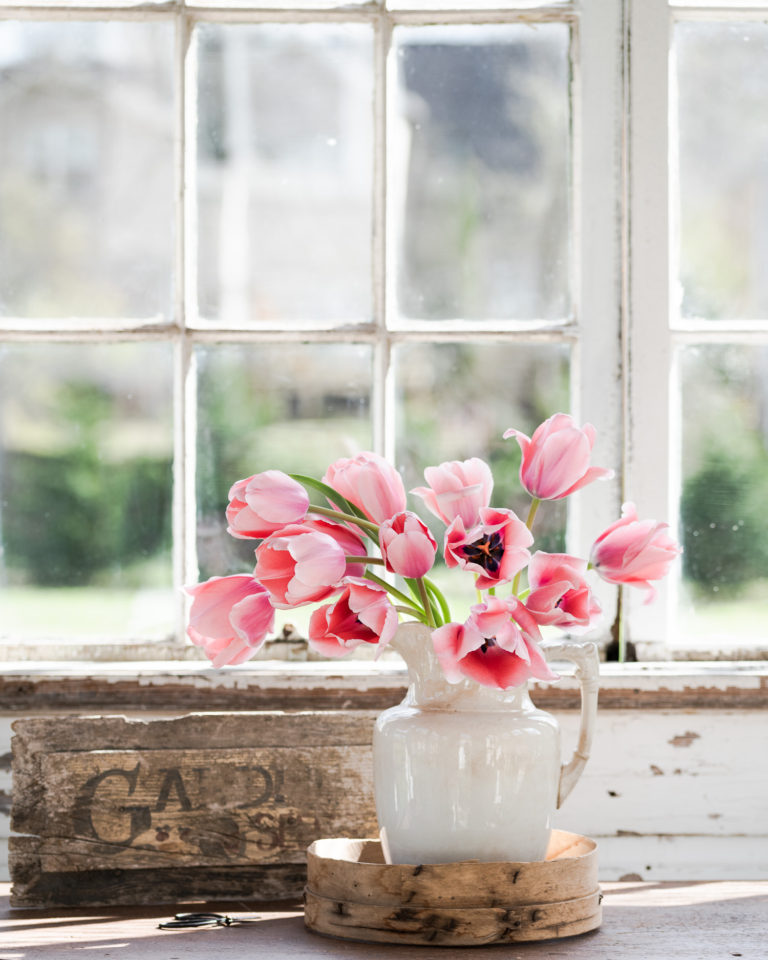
(437, 595)
(411, 611)
(398, 594)
(351, 559)
(535, 502)
(426, 602)
(367, 525)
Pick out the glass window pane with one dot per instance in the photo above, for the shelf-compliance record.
(86, 447)
(284, 172)
(479, 175)
(455, 400)
(724, 521)
(722, 78)
(86, 178)
(291, 407)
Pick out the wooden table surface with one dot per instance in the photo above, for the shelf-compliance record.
(641, 921)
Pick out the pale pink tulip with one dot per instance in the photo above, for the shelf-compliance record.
(348, 539)
(362, 613)
(633, 551)
(494, 549)
(370, 483)
(230, 618)
(300, 565)
(264, 503)
(407, 545)
(556, 458)
(560, 594)
(457, 489)
(497, 646)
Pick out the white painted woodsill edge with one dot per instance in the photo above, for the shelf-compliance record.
(745, 675)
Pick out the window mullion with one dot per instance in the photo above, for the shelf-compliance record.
(184, 461)
(383, 426)
(651, 435)
(596, 367)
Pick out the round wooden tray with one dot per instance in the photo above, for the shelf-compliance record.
(353, 894)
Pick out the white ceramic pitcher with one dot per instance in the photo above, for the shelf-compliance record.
(466, 772)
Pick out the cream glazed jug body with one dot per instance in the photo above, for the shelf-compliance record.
(466, 772)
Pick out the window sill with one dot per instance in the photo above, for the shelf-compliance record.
(279, 685)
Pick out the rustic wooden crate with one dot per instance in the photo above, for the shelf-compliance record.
(353, 895)
(206, 806)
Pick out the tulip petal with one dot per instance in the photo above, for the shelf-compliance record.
(276, 497)
(495, 668)
(252, 619)
(555, 459)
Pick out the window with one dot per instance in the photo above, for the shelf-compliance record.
(235, 236)
(696, 242)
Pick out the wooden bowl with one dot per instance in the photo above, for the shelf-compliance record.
(353, 894)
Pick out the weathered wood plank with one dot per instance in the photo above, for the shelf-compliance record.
(138, 808)
(41, 736)
(673, 773)
(682, 858)
(113, 797)
(193, 687)
(649, 819)
(34, 887)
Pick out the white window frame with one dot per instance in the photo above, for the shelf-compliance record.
(654, 329)
(619, 333)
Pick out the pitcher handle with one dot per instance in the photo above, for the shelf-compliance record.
(587, 661)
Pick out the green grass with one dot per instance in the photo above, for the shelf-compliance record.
(90, 612)
(43, 612)
(722, 619)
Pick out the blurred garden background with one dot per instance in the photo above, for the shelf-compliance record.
(480, 231)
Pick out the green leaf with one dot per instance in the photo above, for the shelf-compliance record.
(350, 512)
(329, 492)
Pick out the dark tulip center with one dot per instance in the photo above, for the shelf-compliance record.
(486, 552)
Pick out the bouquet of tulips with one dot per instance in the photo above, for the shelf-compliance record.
(340, 551)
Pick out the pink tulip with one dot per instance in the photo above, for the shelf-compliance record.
(497, 646)
(556, 458)
(348, 539)
(453, 643)
(559, 593)
(362, 613)
(457, 489)
(494, 549)
(634, 551)
(407, 545)
(370, 483)
(264, 503)
(230, 618)
(300, 565)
